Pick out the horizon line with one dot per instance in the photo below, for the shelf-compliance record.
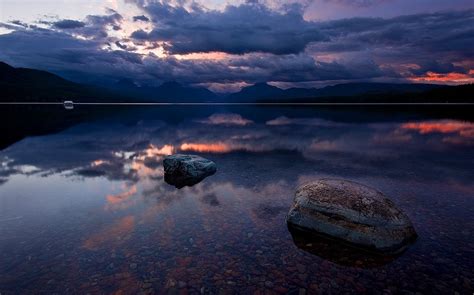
(241, 103)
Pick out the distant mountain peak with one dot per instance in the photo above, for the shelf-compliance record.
(126, 82)
(257, 91)
(30, 85)
(263, 85)
(5, 66)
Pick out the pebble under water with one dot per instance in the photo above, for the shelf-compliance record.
(85, 209)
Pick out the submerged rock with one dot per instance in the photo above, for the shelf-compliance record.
(336, 250)
(352, 213)
(187, 170)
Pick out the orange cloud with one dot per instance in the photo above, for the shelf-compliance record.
(449, 78)
(155, 151)
(98, 163)
(206, 147)
(464, 129)
(203, 56)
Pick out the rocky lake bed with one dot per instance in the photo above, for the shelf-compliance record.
(89, 209)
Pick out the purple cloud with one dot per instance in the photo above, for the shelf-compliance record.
(257, 43)
(69, 24)
(250, 27)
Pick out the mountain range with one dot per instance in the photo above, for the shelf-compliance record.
(168, 91)
(264, 91)
(30, 85)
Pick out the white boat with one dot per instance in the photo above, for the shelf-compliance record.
(68, 104)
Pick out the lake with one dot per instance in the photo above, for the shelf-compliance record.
(84, 207)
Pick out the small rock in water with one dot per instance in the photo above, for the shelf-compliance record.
(187, 170)
(182, 284)
(352, 213)
(268, 284)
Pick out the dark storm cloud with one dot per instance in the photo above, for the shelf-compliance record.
(300, 68)
(19, 23)
(93, 26)
(435, 42)
(141, 18)
(97, 24)
(250, 27)
(69, 24)
(446, 30)
(64, 54)
(120, 45)
(270, 45)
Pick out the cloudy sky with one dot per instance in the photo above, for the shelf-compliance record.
(225, 45)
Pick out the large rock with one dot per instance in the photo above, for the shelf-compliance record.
(187, 170)
(353, 213)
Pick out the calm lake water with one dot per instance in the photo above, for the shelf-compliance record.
(84, 208)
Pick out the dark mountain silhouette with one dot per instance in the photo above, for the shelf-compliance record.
(384, 93)
(176, 91)
(257, 92)
(263, 91)
(168, 91)
(28, 85)
(125, 83)
(353, 89)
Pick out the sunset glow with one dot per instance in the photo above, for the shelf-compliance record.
(450, 78)
(465, 129)
(225, 46)
(236, 147)
(206, 147)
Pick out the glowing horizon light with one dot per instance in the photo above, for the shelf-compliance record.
(226, 46)
(206, 147)
(165, 150)
(99, 163)
(449, 78)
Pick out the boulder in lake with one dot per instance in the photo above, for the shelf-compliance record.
(187, 170)
(353, 213)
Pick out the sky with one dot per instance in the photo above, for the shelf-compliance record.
(226, 45)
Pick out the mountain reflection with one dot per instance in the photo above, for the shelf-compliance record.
(134, 152)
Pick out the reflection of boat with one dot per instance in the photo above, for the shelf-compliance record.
(68, 104)
(337, 251)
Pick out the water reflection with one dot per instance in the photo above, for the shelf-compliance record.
(133, 153)
(225, 119)
(97, 216)
(337, 251)
(454, 132)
